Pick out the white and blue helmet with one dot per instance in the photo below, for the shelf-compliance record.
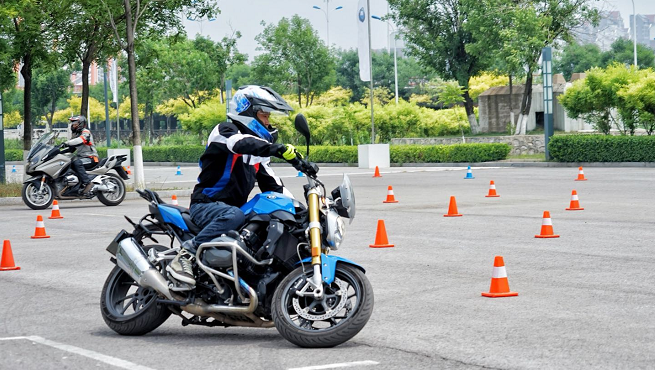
(248, 100)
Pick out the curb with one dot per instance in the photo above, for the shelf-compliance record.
(13, 201)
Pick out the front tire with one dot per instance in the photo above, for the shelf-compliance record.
(36, 199)
(344, 311)
(115, 198)
(129, 309)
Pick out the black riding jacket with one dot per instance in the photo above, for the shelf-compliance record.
(231, 164)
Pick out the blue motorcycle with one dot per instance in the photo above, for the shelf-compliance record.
(275, 271)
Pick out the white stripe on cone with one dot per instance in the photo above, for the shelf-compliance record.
(492, 187)
(55, 207)
(574, 197)
(390, 192)
(40, 224)
(499, 272)
(547, 221)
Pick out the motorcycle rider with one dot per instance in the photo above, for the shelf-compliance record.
(85, 150)
(237, 154)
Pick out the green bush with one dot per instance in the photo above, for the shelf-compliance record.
(348, 154)
(602, 148)
(12, 155)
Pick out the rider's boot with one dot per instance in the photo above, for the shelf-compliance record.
(181, 268)
(82, 188)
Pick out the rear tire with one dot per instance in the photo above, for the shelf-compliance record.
(146, 314)
(113, 199)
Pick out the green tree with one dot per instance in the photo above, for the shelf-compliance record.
(86, 37)
(240, 74)
(49, 87)
(576, 58)
(294, 59)
(436, 35)
(144, 17)
(595, 97)
(638, 101)
(222, 54)
(450, 93)
(622, 51)
(28, 25)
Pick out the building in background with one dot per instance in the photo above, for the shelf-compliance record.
(609, 29)
(645, 29)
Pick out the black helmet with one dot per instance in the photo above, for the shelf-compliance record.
(78, 123)
(249, 100)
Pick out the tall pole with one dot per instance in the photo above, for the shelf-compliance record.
(395, 64)
(107, 127)
(370, 63)
(327, 21)
(2, 143)
(634, 32)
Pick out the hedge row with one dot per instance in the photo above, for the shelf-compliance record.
(602, 148)
(336, 154)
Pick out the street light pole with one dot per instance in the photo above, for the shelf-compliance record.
(634, 32)
(327, 17)
(395, 53)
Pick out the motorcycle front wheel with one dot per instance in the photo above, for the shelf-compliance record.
(36, 198)
(344, 310)
(116, 197)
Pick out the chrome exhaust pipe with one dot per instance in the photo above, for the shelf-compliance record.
(131, 258)
(201, 308)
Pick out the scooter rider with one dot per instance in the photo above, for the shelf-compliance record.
(85, 150)
(237, 154)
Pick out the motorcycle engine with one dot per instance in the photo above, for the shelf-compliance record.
(71, 180)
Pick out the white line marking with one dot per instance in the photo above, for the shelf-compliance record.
(84, 352)
(334, 366)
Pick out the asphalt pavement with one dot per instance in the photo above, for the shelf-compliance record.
(586, 299)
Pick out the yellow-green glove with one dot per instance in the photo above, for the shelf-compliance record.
(290, 152)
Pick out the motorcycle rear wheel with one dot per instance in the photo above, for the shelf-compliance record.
(344, 311)
(129, 309)
(34, 199)
(113, 199)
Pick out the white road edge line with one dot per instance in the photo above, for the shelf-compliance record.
(334, 366)
(83, 352)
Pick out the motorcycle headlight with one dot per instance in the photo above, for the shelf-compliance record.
(335, 229)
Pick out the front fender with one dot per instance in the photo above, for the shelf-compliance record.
(329, 266)
(33, 179)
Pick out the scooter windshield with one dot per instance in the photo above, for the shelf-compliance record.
(43, 144)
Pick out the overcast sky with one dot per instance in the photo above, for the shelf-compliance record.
(246, 15)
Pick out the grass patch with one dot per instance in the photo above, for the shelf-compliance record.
(10, 189)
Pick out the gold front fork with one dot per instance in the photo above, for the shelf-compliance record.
(314, 227)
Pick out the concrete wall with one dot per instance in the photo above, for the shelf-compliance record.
(521, 144)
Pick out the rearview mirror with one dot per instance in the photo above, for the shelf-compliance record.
(300, 123)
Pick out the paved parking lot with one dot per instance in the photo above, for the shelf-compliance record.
(586, 299)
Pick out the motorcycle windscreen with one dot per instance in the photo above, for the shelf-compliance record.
(269, 202)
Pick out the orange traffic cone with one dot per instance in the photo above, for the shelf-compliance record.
(390, 197)
(7, 262)
(381, 240)
(580, 175)
(499, 284)
(452, 208)
(377, 172)
(174, 200)
(547, 227)
(575, 204)
(128, 170)
(492, 190)
(55, 210)
(39, 233)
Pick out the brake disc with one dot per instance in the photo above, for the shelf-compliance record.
(342, 297)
